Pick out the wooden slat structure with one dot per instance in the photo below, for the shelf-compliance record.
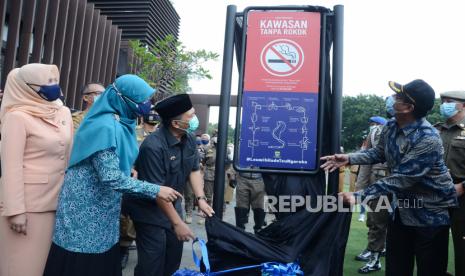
(82, 37)
(59, 32)
(145, 20)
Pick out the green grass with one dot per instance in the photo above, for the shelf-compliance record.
(358, 241)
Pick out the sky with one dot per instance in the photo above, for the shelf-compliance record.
(383, 40)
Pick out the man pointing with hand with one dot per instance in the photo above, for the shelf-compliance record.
(419, 183)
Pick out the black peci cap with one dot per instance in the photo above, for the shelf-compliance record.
(173, 106)
(418, 92)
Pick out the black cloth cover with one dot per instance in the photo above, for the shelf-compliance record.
(316, 240)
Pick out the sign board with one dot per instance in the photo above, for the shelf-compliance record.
(279, 120)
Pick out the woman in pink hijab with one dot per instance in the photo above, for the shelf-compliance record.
(37, 134)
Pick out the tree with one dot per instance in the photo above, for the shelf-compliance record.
(356, 111)
(213, 128)
(169, 65)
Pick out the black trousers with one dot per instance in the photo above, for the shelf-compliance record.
(427, 246)
(159, 252)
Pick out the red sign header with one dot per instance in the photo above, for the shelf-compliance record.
(283, 52)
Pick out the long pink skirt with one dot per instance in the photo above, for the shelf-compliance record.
(22, 255)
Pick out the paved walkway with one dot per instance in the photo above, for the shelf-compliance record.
(199, 230)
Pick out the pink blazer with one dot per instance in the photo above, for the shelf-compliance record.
(35, 155)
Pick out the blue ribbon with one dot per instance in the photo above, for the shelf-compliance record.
(204, 251)
(268, 269)
(279, 269)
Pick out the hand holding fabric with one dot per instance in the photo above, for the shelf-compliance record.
(206, 209)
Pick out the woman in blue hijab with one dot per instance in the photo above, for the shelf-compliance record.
(85, 241)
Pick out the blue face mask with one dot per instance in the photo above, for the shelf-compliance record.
(140, 109)
(193, 125)
(198, 142)
(47, 92)
(448, 110)
(390, 105)
(205, 142)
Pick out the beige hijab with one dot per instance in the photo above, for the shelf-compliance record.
(19, 96)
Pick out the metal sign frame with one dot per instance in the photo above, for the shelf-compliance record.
(321, 86)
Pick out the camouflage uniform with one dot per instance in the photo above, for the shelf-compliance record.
(230, 179)
(209, 173)
(189, 196)
(78, 116)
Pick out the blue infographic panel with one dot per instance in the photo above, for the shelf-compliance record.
(279, 130)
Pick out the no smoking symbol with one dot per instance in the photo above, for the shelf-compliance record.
(282, 57)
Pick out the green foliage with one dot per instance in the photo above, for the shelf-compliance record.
(213, 128)
(168, 64)
(356, 111)
(434, 116)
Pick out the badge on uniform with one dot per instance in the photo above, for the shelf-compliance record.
(172, 158)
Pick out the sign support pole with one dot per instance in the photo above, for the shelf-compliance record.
(225, 99)
(336, 105)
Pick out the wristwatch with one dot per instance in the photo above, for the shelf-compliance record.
(201, 197)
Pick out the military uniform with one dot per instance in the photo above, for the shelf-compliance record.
(353, 177)
(250, 191)
(78, 116)
(231, 181)
(453, 138)
(189, 196)
(377, 222)
(209, 172)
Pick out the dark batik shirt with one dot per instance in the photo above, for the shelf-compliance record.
(419, 181)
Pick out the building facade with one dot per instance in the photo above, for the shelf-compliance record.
(87, 40)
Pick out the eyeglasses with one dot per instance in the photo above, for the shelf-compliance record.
(93, 92)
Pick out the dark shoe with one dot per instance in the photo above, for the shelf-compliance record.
(373, 265)
(259, 218)
(124, 256)
(364, 256)
(242, 217)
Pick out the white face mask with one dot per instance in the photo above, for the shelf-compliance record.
(97, 97)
